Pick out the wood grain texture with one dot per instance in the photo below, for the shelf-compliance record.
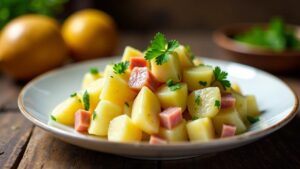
(15, 132)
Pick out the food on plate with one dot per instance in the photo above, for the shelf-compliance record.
(160, 96)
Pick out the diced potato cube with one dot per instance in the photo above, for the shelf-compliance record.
(236, 88)
(101, 117)
(241, 106)
(122, 129)
(145, 111)
(128, 108)
(204, 102)
(252, 108)
(131, 52)
(169, 98)
(65, 112)
(109, 72)
(116, 90)
(169, 70)
(230, 117)
(184, 57)
(176, 134)
(197, 61)
(89, 78)
(201, 129)
(198, 77)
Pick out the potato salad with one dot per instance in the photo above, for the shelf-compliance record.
(160, 96)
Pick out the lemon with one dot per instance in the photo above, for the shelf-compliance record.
(30, 45)
(89, 34)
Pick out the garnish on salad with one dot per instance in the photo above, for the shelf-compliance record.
(162, 93)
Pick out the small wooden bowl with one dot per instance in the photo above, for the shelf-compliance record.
(262, 58)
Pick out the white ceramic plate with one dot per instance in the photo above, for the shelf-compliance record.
(41, 95)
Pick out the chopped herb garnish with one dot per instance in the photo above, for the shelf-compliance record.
(218, 104)
(203, 83)
(221, 77)
(111, 77)
(126, 104)
(73, 94)
(160, 49)
(86, 100)
(121, 67)
(195, 118)
(189, 52)
(252, 119)
(53, 118)
(94, 70)
(198, 100)
(173, 86)
(94, 115)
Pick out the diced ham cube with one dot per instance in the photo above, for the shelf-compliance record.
(228, 131)
(141, 76)
(82, 120)
(170, 117)
(157, 140)
(137, 62)
(227, 101)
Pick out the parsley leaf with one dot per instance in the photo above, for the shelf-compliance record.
(252, 119)
(73, 94)
(94, 70)
(202, 83)
(198, 100)
(195, 118)
(53, 118)
(160, 49)
(121, 67)
(218, 104)
(94, 115)
(221, 77)
(173, 86)
(86, 100)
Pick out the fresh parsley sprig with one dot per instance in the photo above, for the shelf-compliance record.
(94, 71)
(221, 76)
(160, 49)
(121, 67)
(173, 86)
(86, 100)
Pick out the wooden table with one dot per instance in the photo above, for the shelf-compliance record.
(23, 145)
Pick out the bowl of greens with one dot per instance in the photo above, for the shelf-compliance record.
(273, 46)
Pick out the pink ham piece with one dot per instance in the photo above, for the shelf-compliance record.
(137, 62)
(170, 117)
(82, 120)
(157, 140)
(227, 101)
(228, 131)
(141, 76)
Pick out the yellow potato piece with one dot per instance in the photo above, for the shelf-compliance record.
(89, 78)
(64, 112)
(176, 134)
(131, 52)
(241, 106)
(127, 108)
(122, 129)
(201, 129)
(184, 58)
(116, 90)
(252, 108)
(198, 77)
(145, 111)
(169, 70)
(101, 117)
(197, 61)
(204, 102)
(235, 87)
(175, 98)
(230, 117)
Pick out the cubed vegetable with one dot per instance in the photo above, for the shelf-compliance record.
(122, 129)
(198, 77)
(138, 62)
(228, 131)
(127, 108)
(173, 98)
(184, 56)
(82, 120)
(241, 106)
(140, 77)
(252, 108)
(204, 102)
(201, 129)
(169, 70)
(89, 78)
(145, 111)
(229, 117)
(65, 112)
(101, 117)
(176, 134)
(169, 118)
(157, 140)
(236, 88)
(131, 52)
(198, 62)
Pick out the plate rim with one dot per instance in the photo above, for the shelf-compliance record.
(247, 136)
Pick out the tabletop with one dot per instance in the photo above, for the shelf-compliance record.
(23, 145)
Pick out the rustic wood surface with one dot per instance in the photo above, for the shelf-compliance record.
(22, 145)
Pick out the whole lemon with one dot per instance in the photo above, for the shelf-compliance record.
(30, 45)
(89, 34)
